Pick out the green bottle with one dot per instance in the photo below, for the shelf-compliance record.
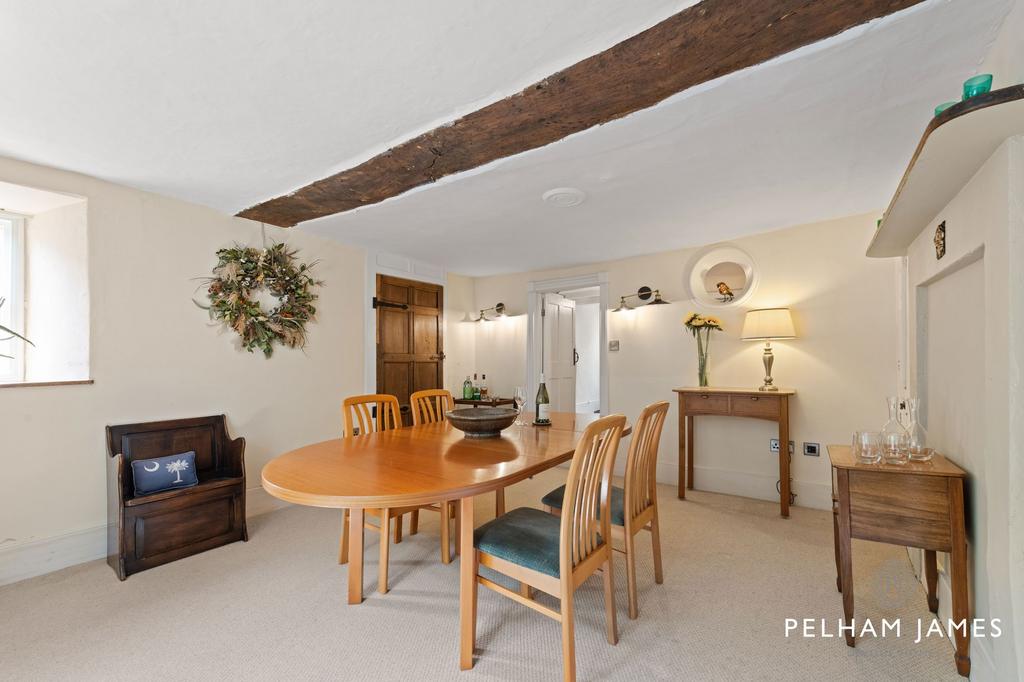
(543, 403)
(467, 388)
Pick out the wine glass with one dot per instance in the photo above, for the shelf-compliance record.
(519, 398)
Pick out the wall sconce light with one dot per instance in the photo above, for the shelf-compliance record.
(643, 293)
(499, 311)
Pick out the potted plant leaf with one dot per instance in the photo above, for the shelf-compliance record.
(11, 334)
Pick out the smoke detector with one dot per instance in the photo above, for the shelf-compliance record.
(564, 197)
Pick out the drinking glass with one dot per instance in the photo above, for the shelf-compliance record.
(519, 398)
(867, 446)
(896, 447)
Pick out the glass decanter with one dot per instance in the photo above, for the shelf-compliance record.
(894, 437)
(917, 437)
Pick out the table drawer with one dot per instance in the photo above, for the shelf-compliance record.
(761, 406)
(707, 403)
(908, 509)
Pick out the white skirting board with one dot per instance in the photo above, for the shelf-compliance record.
(746, 484)
(29, 559)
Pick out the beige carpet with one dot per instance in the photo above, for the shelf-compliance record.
(274, 609)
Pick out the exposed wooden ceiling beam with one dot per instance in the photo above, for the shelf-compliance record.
(706, 41)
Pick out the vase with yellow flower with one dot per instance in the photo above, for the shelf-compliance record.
(701, 327)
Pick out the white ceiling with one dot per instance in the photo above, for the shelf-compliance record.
(233, 102)
(820, 133)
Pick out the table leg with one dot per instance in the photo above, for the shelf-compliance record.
(355, 555)
(784, 457)
(689, 451)
(385, 544)
(931, 576)
(499, 502)
(467, 585)
(845, 558)
(958, 576)
(682, 450)
(835, 540)
(446, 529)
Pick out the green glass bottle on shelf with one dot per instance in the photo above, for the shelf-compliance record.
(467, 388)
(543, 404)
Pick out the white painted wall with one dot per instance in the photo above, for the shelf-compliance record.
(972, 380)
(843, 365)
(460, 332)
(1005, 60)
(57, 294)
(154, 355)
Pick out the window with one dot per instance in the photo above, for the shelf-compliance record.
(12, 292)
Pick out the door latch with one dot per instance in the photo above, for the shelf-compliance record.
(377, 303)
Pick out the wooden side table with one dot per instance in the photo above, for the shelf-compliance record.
(919, 504)
(733, 402)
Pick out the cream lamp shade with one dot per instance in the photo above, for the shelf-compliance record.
(767, 324)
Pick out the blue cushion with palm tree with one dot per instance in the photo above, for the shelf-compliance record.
(527, 537)
(164, 473)
(554, 500)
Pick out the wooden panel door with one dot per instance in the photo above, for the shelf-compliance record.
(410, 338)
(559, 351)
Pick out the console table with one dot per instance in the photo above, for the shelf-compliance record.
(918, 504)
(733, 402)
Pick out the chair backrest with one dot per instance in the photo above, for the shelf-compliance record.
(206, 436)
(642, 460)
(429, 406)
(586, 511)
(370, 413)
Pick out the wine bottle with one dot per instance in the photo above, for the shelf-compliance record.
(543, 403)
(467, 388)
(483, 387)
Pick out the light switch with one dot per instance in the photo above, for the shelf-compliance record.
(613, 345)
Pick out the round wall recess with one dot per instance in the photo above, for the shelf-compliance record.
(721, 275)
(564, 197)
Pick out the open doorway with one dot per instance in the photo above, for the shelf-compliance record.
(567, 341)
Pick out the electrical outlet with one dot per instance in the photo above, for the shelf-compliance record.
(613, 345)
(773, 446)
(812, 449)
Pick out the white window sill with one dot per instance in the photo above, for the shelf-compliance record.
(72, 382)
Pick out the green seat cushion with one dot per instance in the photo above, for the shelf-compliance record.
(526, 537)
(554, 499)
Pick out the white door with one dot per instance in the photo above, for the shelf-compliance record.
(559, 351)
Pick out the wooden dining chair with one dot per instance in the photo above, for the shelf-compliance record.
(430, 406)
(635, 506)
(364, 414)
(556, 555)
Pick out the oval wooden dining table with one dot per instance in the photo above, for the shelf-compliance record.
(421, 465)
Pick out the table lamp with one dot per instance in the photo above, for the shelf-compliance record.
(768, 324)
